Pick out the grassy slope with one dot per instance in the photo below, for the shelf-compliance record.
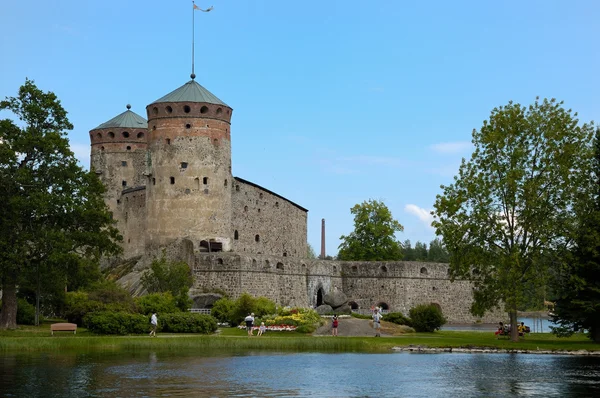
(28, 338)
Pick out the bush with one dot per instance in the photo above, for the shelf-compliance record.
(183, 322)
(163, 303)
(397, 318)
(25, 313)
(108, 292)
(426, 318)
(306, 328)
(263, 306)
(223, 310)
(122, 323)
(78, 305)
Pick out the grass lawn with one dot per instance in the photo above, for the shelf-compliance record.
(32, 339)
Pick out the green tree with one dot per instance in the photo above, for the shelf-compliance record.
(578, 303)
(53, 211)
(310, 252)
(420, 251)
(173, 277)
(373, 236)
(511, 205)
(408, 253)
(437, 252)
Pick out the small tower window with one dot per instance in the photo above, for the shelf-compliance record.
(215, 141)
(236, 236)
(204, 109)
(184, 165)
(280, 266)
(172, 180)
(285, 255)
(125, 134)
(226, 182)
(102, 148)
(169, 109)
(276, 204)
(124, 163)
(257, 238)
(245, 208)
(205, 181)
(424, 271)
(237, 188)
(111, 134)
(124, 183)
(140, 135)
(168, 141)
(155, 110)
(99, 135)
(197, 182)
(187, 109)
(219, 111)
(260, 195)
(153, 181)
(128, 148)
(188, 126)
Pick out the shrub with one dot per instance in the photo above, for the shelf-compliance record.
(108, 292)
(222, 310)
(426, 318)
(167, 276)
(78, 305)
(263, 306)
(397, 318)
(122, 323)
(306, 328)
(25, 312)
(163, 303)
(183, 322)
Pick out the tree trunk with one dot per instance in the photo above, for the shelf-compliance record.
(8, 316)
(595, 333)
(514, 332)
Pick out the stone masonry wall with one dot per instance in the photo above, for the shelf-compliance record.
(292, 281)
(266, 223)
(133, 222)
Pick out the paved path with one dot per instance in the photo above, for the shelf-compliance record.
(348, 327)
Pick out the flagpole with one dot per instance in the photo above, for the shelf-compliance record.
(193, 75)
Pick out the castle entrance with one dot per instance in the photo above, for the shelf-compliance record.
(320, 294)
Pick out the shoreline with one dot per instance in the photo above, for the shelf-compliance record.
(483, 350)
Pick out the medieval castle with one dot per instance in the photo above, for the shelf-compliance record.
(169, 186)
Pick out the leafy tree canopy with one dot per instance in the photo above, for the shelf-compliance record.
(512, 204)
(173, 277)
(53, 211)
(373, 237)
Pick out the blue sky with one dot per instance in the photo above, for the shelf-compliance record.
(335, 102)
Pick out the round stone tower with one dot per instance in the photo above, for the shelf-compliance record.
(118, 154)
(189, 166)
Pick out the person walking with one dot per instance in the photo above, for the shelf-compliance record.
(377, 322)
(249, 323)
(334, 326)
(154, 324)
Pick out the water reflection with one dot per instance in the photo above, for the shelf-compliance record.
(177, 374)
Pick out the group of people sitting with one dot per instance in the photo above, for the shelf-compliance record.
(504, 330)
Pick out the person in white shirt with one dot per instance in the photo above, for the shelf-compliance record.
(249, 323)
(154, 323)
(377, 322)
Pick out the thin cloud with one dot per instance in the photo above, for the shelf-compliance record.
(451, 147)
(423, 214)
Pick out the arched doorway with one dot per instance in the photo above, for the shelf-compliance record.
(320, 295)
(383, 306)
(353, 305)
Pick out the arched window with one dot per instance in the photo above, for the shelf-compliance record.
(383, 269)
(354, 269)
(99, 135)
(204, 109)
(423, 271)
(257, 238)
(220, 261)
(111, 134)
(140, 135)
(280, 266)
(205, 180)
(236, 236)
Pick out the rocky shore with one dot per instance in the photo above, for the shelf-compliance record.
(421, 349)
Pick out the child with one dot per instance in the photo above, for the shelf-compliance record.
(334, 326)
(261, 329)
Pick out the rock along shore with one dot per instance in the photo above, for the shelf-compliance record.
(492, 351)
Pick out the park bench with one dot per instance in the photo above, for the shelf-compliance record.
(63, 327)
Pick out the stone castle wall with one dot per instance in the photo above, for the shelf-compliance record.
(399, 286)
(266, 223)
(133, 221)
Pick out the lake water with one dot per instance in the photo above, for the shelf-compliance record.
(248, 374)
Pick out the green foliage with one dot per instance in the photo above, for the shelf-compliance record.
(578, 281)
(223, 310)
(306, 328)
(162, 303)
(109, 322)
(426, 318)
(373, 236)
(295, 317)
(185, 322)
(310, 252)
(244, 305)
(360, 316)
(25, 313)
(78, 305)
(263, 306)
(511, 207)
(397, 318)
(53, 210)
(436, 253)
(109, 293)
(174, 277)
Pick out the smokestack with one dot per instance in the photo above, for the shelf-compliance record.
(323, 239)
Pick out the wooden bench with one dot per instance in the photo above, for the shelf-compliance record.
(63, 327)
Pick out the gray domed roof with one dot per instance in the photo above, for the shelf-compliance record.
(127, 119)
(191, 92)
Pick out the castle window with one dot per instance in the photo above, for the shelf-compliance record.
(220, 261)
(205, 181)
(128, 148)
(253, 262)
(237, 188)
(259, 210)
(197, 182)
(383, 268)
(172, 180)
(354, 269)
(284, 254)
(184, 165)
(280, 266)
(260, 195)
(118, 201)
(424, 271)
(219, 111)
(188, 126)
(276, 204)
(245, 208)
(226, 182)
(236, 235)
(204, 109)
(111, 134)
(140, 135)
(215, 141)
(153, 181)
(334, 268)
(169, 109)
(123, 163)
(187, 109)
(124, 183)
(99, 135)
(187, 191)
(353, 305)
(155, 110)
(102, 148)
(267, 263)
(125, 134)
(125, 216)
(168, 141)
(257, 238)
